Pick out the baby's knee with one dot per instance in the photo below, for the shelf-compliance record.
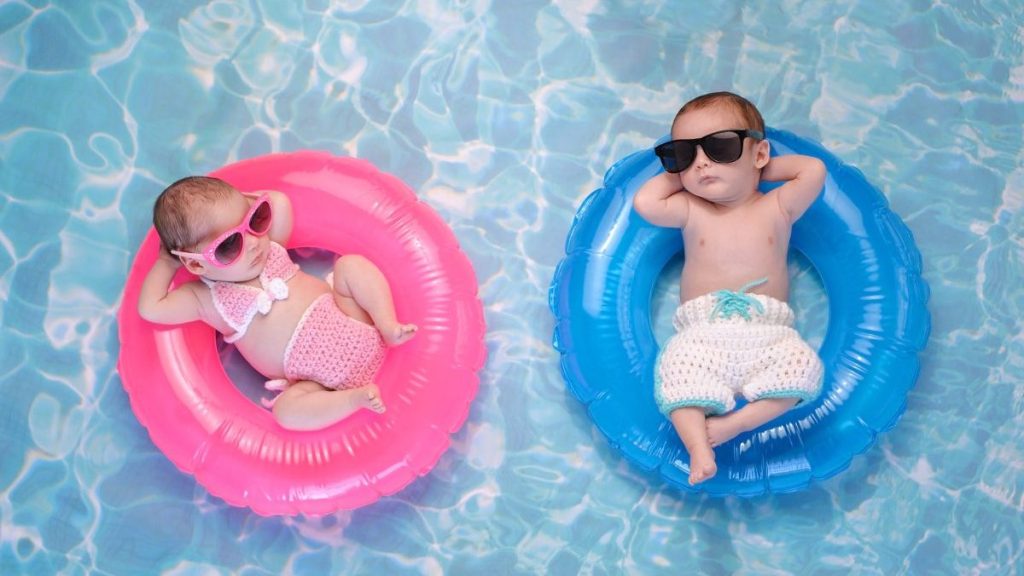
(287, 413)
(289, 408)
(350, 264)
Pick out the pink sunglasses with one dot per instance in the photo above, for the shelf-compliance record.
(227, 248)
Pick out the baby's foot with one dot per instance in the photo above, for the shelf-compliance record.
(398, 333)
(369, 398)
(702, 465)
(721, 429)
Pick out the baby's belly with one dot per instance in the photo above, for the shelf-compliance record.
(264, 344)
(699, 280)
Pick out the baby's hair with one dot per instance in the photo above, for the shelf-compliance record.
(177, 213)
(741, 105)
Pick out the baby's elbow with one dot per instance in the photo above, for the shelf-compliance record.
(642, 206)
(153, 312)
(142, 307)
(147, 312)
(818, 172)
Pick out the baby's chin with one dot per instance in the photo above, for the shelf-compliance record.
(720, 194)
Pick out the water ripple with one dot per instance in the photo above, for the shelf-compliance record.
(503, 117)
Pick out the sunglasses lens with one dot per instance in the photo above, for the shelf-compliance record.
(723, 147)
(228, 250)
(260, 221)
(676, 155)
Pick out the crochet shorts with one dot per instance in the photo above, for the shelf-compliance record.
(713, 357)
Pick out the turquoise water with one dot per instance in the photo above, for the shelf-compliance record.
(503, 116)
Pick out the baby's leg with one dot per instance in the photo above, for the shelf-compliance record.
(307, 405)
(362, 292)
(794, 374)
(721, 429)
(689, 424)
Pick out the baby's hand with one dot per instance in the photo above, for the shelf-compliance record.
(167, 258)
(398, 333)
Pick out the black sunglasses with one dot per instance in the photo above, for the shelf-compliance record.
(723, 147)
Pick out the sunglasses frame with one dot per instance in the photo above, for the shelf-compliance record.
(666, 150)
(210, 253)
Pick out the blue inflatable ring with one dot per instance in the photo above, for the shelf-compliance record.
(878, 322)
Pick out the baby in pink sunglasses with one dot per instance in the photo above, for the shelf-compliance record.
(321, 343)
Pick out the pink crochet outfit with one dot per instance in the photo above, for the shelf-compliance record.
(327, 346)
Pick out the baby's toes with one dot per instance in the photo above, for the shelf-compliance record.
(374, 401)
(402, 333)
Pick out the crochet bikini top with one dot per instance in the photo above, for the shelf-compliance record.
(238, 303)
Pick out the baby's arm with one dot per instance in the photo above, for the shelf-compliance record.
(662, 201)
(804, 176)
(161, 306)
(281, 227)
(281, 208)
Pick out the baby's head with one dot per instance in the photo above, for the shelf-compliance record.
(742, 109)
(718, 147)
(181, 212)
(196, 212)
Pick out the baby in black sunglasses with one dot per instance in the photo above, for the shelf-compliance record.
(321, 343)
(734, 328)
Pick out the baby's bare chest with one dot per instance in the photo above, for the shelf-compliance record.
(754, 233)
(728, 250)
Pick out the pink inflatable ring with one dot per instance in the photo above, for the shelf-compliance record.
(196, 416)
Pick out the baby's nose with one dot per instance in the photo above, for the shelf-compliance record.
(250, 241)
(700, 158)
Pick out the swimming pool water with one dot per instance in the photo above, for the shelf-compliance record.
(503, 116)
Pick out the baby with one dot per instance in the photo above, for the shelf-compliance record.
(734, 329)
(321, 344)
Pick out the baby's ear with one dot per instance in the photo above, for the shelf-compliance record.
(762, 153)
(193, 266)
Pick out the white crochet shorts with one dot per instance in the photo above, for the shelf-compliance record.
(753, 351)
